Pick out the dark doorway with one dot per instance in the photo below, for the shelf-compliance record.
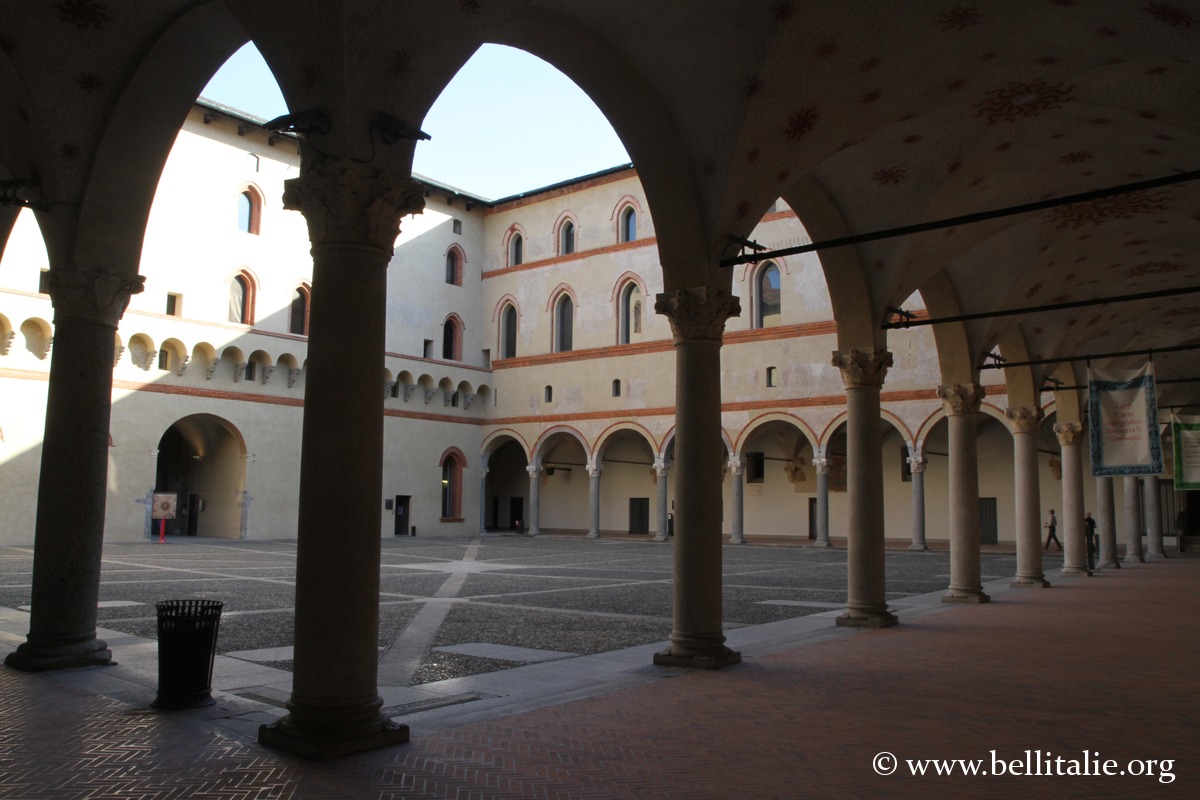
(812, 518)
(403, 513)
(988, 524)
(639, 515)
(516, 511)
(495, 514)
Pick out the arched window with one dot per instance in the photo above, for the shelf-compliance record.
(564, 322)
(241, 299)
(452, 467)
(249, 211)
(616, 387)
(453, 268)
(298, 315)
(566, 238)
(508, 332)
(629, 225)
(451, 340)
(768, 309)
(516, 250)
(630, 313)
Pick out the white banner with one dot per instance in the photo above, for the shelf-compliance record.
(1185, 434)
(1123, 408)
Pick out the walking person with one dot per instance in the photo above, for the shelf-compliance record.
(1051, 525)
(1089, 533)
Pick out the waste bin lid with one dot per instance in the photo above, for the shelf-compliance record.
(189, 608)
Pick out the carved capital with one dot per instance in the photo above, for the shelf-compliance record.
(594, 470)
(737, 466)
(821, 465)
(961, 398)
(92, 295)
(345, 202)
(533, 469)
(697, 313)
(918, 464)
(1068, 433)
(1024, 420)
(862, 367)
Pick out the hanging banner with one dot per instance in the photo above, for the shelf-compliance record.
(1185, 433)
(1123, 410)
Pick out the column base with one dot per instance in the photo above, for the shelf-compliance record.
(721, 658)
(1154, 555)
(592, 535)
(1075, 572)
(918, 547)
(737, 539)
(851, 618)
(659, 537)
(1022, 582)
(1109, 565)
(977, 597)
(1133, 560)
(31, 657)
(821, 543)
(324, 744)
(531, 533)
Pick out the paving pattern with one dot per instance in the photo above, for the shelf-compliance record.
(1099, 664)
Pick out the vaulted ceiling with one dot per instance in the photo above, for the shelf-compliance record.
(864, 115)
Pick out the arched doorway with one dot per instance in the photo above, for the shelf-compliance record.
(506, 486)
(201, 458)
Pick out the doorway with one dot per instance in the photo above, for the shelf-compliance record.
(516, 512)
(989, 529)
(403, 513)
(202, 460)
(812, 518)
(639, 515)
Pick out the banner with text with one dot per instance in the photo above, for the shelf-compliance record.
(1124, 434)
(1185, 434)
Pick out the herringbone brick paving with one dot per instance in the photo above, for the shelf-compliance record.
(1103, 664)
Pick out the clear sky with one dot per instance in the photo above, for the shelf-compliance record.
(507, 123)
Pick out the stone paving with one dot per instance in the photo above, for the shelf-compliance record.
(1097, 665)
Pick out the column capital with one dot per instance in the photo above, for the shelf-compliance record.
(91, 295)
(821, 465)
(660, 467)
(961, 398)
(1024, 420)
(483, 471)
(862, 367)
(737, 466)
(698, 313)
(1068, 433)
(917, 464)
(346, 202)
(594, 470)
(533, 469)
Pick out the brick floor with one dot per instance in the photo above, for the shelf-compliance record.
(1104, 664)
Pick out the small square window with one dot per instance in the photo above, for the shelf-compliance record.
(756, 467)
(174, 305)
(427, 349)
(772, 376)
(456, 225)
(164, 359)
(44, 282)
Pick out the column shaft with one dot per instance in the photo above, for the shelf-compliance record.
(822, 467)
(534, 514)
(1106, 525)
(72, 483)
(1028, 502)
(962, 406)
(1154, 528)
(697, 319)
(353, 217)
(1133, 521)
(483, 473)
(1073, 537)
(660, 471)
(866, 604)
(737, 529)
(594, 501)
(917, 467)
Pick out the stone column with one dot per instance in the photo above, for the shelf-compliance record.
(821, 465)
(863, 372)
(916, 466)
(1025, 424)
(961, 402)
(660, 472)
(535, 484)
(353, 214)
(1106, 525)
(483, 473)
(73, 481)
(737, 468)
(1133, 521)
(593, 471)
(697, 318)
(1154, 529)
(1070, 437)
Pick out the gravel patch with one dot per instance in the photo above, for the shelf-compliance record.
(546, 630)
(443, 666)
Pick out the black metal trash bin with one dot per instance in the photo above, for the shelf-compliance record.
(187, 646)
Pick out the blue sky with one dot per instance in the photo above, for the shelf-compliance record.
(507, 123)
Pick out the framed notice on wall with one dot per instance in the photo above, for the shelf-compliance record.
(164, 506)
